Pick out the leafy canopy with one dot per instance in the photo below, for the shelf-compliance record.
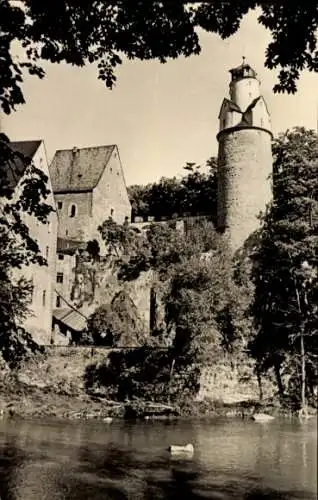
(104, 32)
(193, 194)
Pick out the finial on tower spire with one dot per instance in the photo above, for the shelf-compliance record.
(243, 57)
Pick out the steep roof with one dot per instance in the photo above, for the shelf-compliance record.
(15, 169)
(74, 320)
(27, 148)
(231, 105)
(79, 169)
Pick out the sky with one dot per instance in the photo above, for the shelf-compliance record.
(160, 115)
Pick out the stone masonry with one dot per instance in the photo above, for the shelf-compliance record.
(244, 159)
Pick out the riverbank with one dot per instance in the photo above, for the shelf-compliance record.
(52, 385)
(23, 401)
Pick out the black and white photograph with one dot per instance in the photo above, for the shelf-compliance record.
(158, 250)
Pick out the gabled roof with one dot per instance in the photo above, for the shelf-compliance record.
(15, 169)
(231, 105)
(27, 148)
(76, 170)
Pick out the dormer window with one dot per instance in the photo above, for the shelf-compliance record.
(72, 211)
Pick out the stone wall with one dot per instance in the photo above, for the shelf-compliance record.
(78, 227)
(110, 197)
(244, 184)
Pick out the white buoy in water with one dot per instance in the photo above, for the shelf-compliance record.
(262, 417)
(181, 450)
(108, 420)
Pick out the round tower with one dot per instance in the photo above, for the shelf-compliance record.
(244, 158)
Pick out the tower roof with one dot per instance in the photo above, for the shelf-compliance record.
(243, 71)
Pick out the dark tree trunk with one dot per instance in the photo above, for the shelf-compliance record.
(153, 310)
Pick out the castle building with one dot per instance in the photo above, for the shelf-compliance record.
(39, 321)
(244, 158)
(89, 187)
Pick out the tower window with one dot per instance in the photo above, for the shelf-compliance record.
(72, 211)
(58, 301)
(43, 298)
(59, 205)
(47, 252)
(59, 278)
(224, 123)
(60, 256)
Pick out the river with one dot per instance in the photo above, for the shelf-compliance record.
(233, 459)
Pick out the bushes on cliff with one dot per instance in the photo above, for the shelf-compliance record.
(144, 374)
(117, 324)
(198, 294)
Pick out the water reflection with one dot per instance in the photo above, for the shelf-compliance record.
(233, 460)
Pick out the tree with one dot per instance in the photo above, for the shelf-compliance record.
(102, 33)
(285, 272)
(194, 194)
(116, 324)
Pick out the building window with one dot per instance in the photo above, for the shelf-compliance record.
(47, 252)
(59, 278)
(72, 211)
(59, 205)
(60, 256)
(224, 123)
(66, 232)
(43, 298)
(58, 301)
